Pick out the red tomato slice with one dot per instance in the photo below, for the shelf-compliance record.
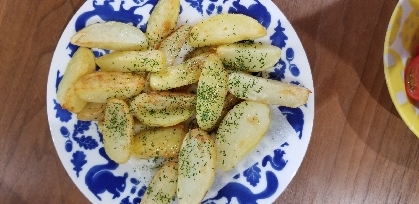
(411, 79)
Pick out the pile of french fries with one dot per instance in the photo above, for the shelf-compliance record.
(205, 113)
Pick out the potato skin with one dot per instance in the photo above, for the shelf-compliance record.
(99, 87)
(82, 63)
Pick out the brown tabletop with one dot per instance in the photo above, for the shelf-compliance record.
(360, 150)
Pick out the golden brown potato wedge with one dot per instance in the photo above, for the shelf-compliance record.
(99, 87)
(225, 29)
(159, 142)
(163, 100)
(164, 108)
(92, 111)
(248, 87)
(163, 117)
(132, 61)
(252, 57)
(197, 162)
(82, 63)
(117, 130)
(140, 126)
(211, 92)
(162, 188)
(172, 45)
(229, 102)
(179, 75)
(110, 35)
(147, 86)
(240, 132)
(162, 21)
(200, 50)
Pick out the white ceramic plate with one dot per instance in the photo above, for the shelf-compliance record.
(260, 178)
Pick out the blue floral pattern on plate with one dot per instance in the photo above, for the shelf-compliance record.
(79, 143)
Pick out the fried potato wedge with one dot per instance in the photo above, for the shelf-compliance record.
(163, 185)
(132, 61)
(200, 50)
(240, 132)
(147, 86)
(179, 75)
(252, 57)
(172, 45)
(159, 142)
(140, 126)
(211, 92)
(225, 29)
(92, 111)
(99, 87)
(163, 100)
(117, 130)
(197, 163)
(267, 91)
(229, 102)
(111, 35)
(163, 117)
(163, 20)
(82, 63)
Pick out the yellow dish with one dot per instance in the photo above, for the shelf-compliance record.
(400, 44)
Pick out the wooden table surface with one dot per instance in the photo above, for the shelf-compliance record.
(360, 150)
